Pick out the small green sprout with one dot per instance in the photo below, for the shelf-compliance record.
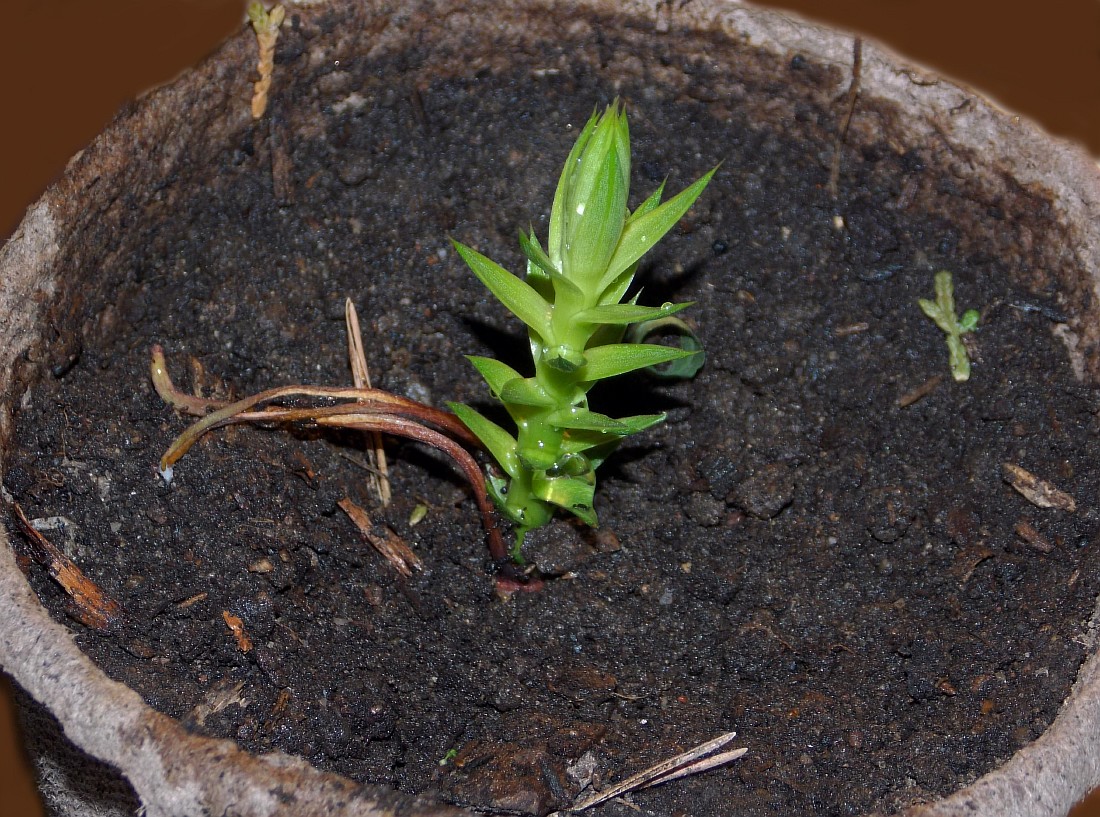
(942, 311)
(571, 301)
(419, 512)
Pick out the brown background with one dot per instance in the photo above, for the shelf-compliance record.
(68, 65)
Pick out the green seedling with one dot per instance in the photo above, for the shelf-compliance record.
(571, 301)
(942, 311)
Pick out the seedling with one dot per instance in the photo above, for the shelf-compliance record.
(942, 311)
(571, 301)
(266, 26)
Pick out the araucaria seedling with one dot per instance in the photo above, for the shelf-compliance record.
(942, 311)
(571, 301)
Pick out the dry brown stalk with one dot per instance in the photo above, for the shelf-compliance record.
(391, 546)
(360, 375)
(699, 759)
(920, 392)
(94, 608)
(850, 108)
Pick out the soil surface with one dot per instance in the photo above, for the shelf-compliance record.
(848, 582)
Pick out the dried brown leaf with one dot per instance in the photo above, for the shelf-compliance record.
(236, 626)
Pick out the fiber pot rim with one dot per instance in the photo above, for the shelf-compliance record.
(162, 761)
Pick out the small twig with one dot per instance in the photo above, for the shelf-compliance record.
(1028, 533)
(920, 392)
(392, 548)
(282, 162)
(692, 761)
(94, 608)
(852, 96)
(360, 375)
(191, 600)
(851, 329)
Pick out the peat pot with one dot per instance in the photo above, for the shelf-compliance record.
(883, 579)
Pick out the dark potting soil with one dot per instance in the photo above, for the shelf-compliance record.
(848, 582)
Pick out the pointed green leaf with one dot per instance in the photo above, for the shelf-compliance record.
(535, 254)
(518, 296)
(622, 142)
(524, 391)
(539, 267)
(574, 494)
(557, 210)
(585, 420)
(643, 232)
(609, 333)
(497, 489)
(615, 292)
(944, 320)
(597, 450)
(582, 419)
(496, 440)
(640, 422)
(496, 374)
(588, 173)
(621, 314)
(619, 358)
(595, 223)
(945, 291)
(540, 270)
(647, 205)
